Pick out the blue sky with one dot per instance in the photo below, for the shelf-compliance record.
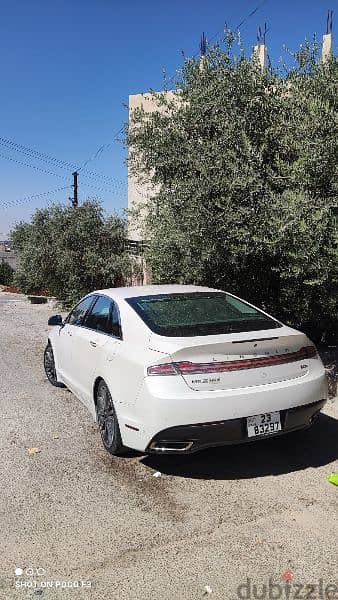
(68, 66)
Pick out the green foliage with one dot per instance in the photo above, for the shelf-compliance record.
(243, 164)
(70, 251)
(6, 273)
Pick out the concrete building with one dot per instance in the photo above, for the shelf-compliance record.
(6, 254)
(140, 192)
(9, 258)
(327, 38)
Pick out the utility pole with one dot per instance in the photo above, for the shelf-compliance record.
(75, 201)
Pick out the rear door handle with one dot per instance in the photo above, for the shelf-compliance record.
(93, 344)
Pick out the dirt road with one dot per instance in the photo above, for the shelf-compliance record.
(71, 515)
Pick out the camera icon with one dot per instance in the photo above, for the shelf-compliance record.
(30, 572)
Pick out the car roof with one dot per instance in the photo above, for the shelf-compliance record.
(148, 290)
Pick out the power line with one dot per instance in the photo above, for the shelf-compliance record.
(251, 14)
(246, 18)
(100, 150)
(95, 187)
(59, 163)
(27, 152)
(90, 174)
(35, 154)
(23, 164)
(10, 144)
(31, 151)
(11, 203)
(117, 184)
(115, 137)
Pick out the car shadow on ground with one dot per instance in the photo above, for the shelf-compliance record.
(313, 447)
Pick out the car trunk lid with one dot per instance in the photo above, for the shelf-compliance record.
(238, 360)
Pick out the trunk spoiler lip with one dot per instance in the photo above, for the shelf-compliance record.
(172, 345)
(255, 340)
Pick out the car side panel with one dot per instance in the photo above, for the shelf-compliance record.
(61, 344)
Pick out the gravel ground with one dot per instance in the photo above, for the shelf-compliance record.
(212, 519)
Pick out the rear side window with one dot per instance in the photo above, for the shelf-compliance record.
(116, 323)
(78, 313)
(199, 313)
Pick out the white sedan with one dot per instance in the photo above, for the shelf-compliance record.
(177, 368)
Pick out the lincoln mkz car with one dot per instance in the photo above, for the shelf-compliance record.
(178, 368)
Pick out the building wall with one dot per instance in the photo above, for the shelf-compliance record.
(8, 257)
(138, 193)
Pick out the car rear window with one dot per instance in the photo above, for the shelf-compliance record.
(199, 313)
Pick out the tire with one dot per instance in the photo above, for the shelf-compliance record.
(107, 421)
(49, 366)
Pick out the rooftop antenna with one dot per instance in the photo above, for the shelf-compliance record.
(329, 21)
(261, 34)
(260, 50)
(203, 45)
(203, 52)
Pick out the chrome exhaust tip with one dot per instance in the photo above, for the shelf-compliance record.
(170, 446)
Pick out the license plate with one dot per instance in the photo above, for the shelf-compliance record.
(265, 424)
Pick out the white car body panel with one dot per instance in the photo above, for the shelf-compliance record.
(146, 405)
(237, 346)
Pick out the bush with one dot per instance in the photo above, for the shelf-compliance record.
(6, 273)
(69, 251)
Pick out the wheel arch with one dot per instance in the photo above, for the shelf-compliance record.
(58, 381)
(97, 381)
(95, 387)
(55, 353)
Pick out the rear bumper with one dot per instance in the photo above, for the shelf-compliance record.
(191, 438)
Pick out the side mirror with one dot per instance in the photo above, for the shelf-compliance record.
(55, 320)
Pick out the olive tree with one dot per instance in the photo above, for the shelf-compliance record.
(70, 251)
(6, 273)
(243, 166)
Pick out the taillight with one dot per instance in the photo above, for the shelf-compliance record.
(164, 369)
(190, 368)
(310, 351)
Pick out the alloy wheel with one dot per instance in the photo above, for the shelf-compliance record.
(49, 364)
(105, 416)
